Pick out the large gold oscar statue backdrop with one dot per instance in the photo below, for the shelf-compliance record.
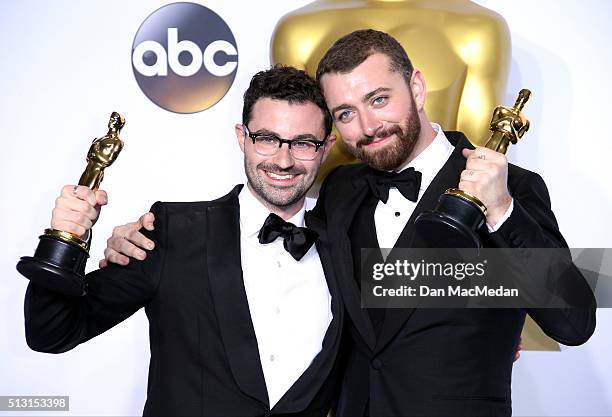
(463, 50)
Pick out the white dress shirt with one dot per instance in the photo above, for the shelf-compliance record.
(289, 301)
(390, 218)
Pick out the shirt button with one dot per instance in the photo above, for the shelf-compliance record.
(271, 358)
(278, 264)
(277, 310)
(397, 214)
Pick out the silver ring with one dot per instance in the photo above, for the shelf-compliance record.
(74, 189)
(482, 156)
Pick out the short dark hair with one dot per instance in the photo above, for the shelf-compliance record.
(288, 84)
(351, 50)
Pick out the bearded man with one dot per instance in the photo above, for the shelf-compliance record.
(411, 361)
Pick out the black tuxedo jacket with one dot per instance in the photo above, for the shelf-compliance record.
(440, 362)
(204, 355)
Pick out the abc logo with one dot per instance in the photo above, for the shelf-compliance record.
(184, 57)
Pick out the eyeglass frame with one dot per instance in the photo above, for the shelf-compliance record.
(253, 136)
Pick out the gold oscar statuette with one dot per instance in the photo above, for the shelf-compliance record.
(458, 215)
(59, 260)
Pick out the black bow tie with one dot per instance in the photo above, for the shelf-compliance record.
(297, 240)
(407, 182)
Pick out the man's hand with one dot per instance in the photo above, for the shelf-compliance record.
(520, 346)
(126, 242)
(77, 209)
(486, 177)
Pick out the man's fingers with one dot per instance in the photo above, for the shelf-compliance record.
(130, 232)
(479, 164)
(69, 191)
(77, 206)
(126, 230)
(517, 354)
(101, 198)
(484, 154)
(147, 221)
(470, 187)
(141, 240)
(70, 221)
(77, 209)
(83, 193)
(103, 263)
(467, 152)
(112, 256)
(82, 219)
(126, 241)
(471, 175)
(125, 247)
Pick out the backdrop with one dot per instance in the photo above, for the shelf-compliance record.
(66, 65)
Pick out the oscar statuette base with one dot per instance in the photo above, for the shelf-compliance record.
(454, 222)
(58, 264)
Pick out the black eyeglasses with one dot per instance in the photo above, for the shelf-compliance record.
(268, 144)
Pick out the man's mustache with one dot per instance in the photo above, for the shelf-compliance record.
(366, 140)
(277, 169)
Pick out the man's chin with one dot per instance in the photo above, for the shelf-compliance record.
(382, 161)
(281, 196)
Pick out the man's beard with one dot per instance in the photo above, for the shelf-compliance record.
(394, 154)
(274, 195)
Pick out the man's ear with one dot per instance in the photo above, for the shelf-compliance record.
(329, 144)
(240, 135)
(419, 89)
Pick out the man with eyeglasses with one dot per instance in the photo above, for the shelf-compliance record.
(241, 298)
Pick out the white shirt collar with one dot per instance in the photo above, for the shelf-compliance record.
(253, 213)
(432, 158)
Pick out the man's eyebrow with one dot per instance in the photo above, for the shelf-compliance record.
(306, 136)
(340, 107)
(301, 136)
(364, 99)
(375, 92)
(264, 131)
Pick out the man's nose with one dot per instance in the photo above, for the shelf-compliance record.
(370, 124)
(283, 157)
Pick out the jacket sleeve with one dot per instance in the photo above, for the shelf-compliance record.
(532, 224)
(56, 323)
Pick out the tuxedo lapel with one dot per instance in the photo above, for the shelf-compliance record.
(323, 248)
(229, 296)
(446, 178)
(342, 217)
